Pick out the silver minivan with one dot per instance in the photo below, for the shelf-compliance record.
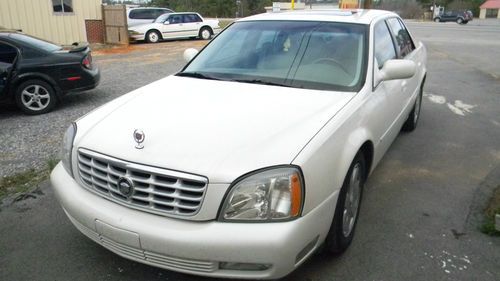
(136, 16)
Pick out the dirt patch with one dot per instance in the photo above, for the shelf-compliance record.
(491, 210)
(99, 50)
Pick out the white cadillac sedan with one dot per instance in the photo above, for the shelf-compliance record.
(174, 26)
(257, 153)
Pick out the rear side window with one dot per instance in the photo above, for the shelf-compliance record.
(384, 48)
(7, 53)
(143, 14)
(159, 12)
(191, 18)
(404, 44)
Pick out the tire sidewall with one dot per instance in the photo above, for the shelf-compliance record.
(47, 86)
(202, 31)
(336, 242)
(153, 32)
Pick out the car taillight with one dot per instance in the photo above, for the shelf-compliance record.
(87, 61)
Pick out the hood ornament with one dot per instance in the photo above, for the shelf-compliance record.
(139, 138)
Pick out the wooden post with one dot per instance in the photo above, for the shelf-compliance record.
(368, 4)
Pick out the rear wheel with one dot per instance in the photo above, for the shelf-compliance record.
(205, 33)
(153, 36)
(347, 210)
(412, 121)
(35, 97)
(437, 20)
(460, 20)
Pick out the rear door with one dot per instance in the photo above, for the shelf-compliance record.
(8, 56)
(192, 24)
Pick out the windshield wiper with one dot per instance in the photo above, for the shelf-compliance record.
(262, 82)
(196, 75)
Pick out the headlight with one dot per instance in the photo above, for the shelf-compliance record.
(271, 195)
(133, 32)
(67, 147)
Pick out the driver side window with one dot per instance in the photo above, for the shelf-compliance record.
(175, 19)
(384, 47)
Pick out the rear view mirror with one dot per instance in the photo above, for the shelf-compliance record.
(397, 69)
(189, 54)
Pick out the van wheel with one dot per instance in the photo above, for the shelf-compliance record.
(35, 97)
(153, 36)
(347, 210)
(205, 33)
(412, 121)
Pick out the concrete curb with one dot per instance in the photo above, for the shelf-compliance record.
(497, 222)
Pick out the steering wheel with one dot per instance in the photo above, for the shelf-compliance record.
(332, 61)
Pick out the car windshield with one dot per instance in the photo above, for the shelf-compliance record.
(300, 54)
(35, 42)
(162, 18)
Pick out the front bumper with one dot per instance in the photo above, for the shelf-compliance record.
(200, 248)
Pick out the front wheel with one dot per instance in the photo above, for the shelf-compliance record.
(347, 210)
(35, 97)
(153, 36)
(437, 20)
(460, 20)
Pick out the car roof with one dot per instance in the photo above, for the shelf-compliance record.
(149, 8)
(333, 15)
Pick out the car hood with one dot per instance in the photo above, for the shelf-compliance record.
(217, 129)
(143, 27)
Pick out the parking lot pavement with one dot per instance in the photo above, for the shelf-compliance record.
(418, 217)
(30, 141)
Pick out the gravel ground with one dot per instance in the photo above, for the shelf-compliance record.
(30, 141)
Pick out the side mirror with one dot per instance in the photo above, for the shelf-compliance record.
(189, 54)
(397, 69)
(166, 22)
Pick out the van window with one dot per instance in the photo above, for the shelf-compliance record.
(143, 14)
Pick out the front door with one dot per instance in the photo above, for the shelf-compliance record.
(386, 96)
(174, 28)
(8, 56)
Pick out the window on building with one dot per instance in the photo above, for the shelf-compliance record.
(62, 6)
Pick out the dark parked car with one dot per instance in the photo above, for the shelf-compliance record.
(458, 17)
(36, 74)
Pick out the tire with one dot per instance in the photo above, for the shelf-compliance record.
(343, 225)
(205, 33)
(460, 20)
(412, 121)
(437, 20)
(153, 36)
(35, 97)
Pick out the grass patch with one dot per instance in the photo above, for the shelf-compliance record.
(26, 181)
(224, 23)
(493, 208)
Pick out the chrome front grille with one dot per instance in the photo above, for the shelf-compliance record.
(155, 190)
